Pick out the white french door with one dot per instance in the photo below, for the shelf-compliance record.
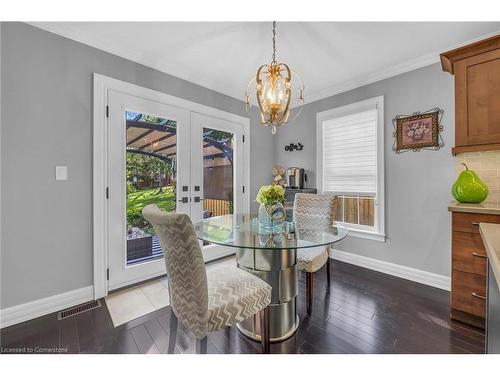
(178, 159)
(217, 173)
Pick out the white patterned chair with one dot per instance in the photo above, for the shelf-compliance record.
(313, 211)
(205, 301)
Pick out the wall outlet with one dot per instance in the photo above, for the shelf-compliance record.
(61, 173)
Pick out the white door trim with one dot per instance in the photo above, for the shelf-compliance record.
(100, 215)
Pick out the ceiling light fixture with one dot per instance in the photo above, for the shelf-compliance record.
(273, 87)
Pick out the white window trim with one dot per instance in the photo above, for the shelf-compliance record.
(365, 105)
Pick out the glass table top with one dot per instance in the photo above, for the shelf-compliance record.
(245, 231)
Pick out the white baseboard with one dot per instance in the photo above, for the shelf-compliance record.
(30, 310)
(413, 274)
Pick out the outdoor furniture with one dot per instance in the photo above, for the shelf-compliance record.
(205, 301)
(139, 244)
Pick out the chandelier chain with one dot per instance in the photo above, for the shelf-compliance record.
(274, 43)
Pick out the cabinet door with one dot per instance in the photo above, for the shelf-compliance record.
(468, 293)
(477, 95)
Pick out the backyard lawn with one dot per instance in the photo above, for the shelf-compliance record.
(137, 200)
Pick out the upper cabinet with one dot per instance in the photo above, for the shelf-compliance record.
(476, 68)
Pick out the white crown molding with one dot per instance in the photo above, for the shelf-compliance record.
(130, 54)
(392, 71)
(34, 309)
(127, 53)
(408, 273)
(395, 70)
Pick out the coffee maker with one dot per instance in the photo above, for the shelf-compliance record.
(295, 177)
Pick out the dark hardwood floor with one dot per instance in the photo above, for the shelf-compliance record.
(365, 312)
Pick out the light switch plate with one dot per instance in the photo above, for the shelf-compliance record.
(61, 173)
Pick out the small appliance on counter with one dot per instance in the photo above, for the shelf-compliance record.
(295, 177)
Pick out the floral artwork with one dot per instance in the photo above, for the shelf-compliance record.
(418, 131)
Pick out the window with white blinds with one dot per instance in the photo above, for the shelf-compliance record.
(350, 153)
(350, 164)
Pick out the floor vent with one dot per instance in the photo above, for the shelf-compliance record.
(78, 309)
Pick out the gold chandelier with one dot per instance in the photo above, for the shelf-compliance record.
(274, 92)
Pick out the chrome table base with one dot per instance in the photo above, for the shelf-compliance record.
(278, 268)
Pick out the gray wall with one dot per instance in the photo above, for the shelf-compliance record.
(417, 184)
(47, 121)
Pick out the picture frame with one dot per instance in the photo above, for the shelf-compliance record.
(418, 131)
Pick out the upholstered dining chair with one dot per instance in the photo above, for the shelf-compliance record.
(205, 301)
(313, 211)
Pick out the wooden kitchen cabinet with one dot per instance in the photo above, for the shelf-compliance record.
(476, 68)
(468, 267)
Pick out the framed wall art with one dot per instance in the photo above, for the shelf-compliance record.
(419, 131)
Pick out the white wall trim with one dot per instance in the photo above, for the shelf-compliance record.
(129, 54)
(34, 309)
(368, 104)
(102, 85)
(395, 70)
(408, 273)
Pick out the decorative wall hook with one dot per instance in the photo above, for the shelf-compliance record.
(294, 147)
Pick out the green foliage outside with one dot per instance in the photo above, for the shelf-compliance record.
(146, 167)
(136, 201)
(141, 169)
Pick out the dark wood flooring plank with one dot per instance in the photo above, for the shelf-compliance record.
(122, 343)
(363, 312)
(144, 340)
(156, 331)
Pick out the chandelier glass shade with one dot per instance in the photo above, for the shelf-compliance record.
(274, 91)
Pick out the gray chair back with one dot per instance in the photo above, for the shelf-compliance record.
(314, 211)
(187, 277)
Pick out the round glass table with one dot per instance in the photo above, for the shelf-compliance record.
(271, 254)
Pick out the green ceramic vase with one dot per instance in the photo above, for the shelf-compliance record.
(469, 188)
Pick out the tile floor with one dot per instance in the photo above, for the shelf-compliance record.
(134, 302)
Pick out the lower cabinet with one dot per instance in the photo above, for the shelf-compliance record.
(469, 293)
(468, 274)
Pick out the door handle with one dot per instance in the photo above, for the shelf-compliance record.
(478, 296)
(478, 255)
(184, 200)
(197, 199)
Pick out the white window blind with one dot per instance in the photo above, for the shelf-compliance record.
(350, 153)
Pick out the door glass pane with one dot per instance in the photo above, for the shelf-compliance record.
(218, 173)
(150, 174)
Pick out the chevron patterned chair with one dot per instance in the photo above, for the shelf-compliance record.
(205, 301)
(313, 211)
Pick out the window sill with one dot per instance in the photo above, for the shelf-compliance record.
(358, 233)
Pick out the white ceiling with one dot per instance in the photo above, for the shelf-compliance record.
(330, 56)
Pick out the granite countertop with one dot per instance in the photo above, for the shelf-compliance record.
(490, 233)
(475, 208)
